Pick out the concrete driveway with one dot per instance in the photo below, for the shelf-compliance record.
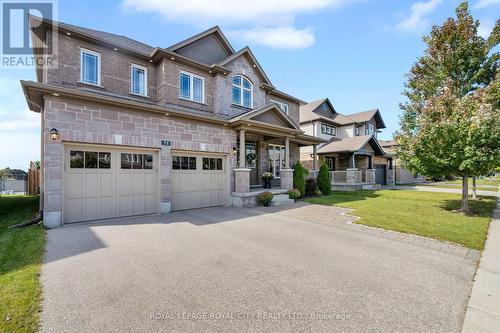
(227, 269)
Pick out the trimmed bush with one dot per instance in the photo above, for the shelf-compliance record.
(294, 194)
(265, 198)
(311, 187)
(324, 180)
(299, 178)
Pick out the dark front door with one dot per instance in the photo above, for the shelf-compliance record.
(380, 174)
(252, 162)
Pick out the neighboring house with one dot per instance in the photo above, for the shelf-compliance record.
(403, 176)
(12, 185)
(130, 129)
(352, 152)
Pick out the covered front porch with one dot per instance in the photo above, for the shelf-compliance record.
(268, 142)
(358, 163)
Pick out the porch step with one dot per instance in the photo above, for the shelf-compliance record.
(281, 199)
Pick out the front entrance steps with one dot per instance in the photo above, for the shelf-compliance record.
(249, 199)
(282, 199)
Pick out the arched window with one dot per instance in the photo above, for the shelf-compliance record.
(242, 91)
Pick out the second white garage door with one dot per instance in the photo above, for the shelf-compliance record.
(198, 181)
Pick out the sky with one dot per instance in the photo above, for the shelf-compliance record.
(355, 52)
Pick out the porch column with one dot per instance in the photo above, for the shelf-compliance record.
(242, 149)
(370, 162)
(287, 152)
(315, 156)
(352, 163)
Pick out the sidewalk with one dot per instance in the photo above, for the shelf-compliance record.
(438, 189)
(483, 311)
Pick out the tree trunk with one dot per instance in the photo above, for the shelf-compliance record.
(465, 194)
(474, 188)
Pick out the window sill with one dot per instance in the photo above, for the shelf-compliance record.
(241, 107)
(139, 95)
(192, 101)
(90, 84)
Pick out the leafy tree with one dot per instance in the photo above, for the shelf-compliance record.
(449, 124)
(299, 178)
(324, 180)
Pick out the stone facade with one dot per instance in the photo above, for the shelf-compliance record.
(89, 123)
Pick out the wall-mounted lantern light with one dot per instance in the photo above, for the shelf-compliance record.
(234, 150)
(54, 134)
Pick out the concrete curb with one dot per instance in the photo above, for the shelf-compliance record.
(483, 312)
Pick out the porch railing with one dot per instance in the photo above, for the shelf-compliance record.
(338, 176)
(354, 177)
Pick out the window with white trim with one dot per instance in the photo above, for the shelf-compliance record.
(368, 129)
(242, 91)
(90, 67)
(283, 106)
(327, 129)
(138, 80)
(324, 107)
(356, 131)
(192, 87)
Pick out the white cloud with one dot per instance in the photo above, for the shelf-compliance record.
(18, 149)
(275, 17)
(281, 37)
(485, 28)
(486, 3)
(417, 21)
(26, 120)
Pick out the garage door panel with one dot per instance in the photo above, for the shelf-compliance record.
(95, 193)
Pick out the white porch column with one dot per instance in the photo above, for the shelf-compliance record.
(242, 149)
(287, 152)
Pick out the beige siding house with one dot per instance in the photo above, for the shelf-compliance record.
(351, 150)
(130, 129)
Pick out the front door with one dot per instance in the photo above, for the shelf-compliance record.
(276, 159)
(251, 162)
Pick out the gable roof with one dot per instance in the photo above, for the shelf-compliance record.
(309, 112)
(246, 51)
(268, 108)
(361, 117)
(351, 145)
(214, 30)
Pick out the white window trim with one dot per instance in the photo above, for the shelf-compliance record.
(145, 69)
(98, 55)
(356, 131)
(333, 129)
(241, 90)
(369, 129)
(280, 104)
(191, 86)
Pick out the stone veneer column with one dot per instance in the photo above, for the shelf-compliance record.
(351, 176)
(242, 180)
(286, 179)
(390, 177)
(165, 184)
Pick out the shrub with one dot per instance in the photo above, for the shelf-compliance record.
(324, 180)
(299, 175)
(265, 198)
(311, 186)
(294, 194)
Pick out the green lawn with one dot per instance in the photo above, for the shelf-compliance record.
(429, 214)
(484, 181)
(21, 254)
(456, 186)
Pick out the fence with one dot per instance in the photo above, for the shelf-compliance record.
(33, 181)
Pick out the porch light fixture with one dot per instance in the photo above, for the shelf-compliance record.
(172, 58)
(235, 150)
(68, 33)
(54, 134)
(115, 49)
(55, 94)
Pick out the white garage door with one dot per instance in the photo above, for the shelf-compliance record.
(101, 183)
(198, 181)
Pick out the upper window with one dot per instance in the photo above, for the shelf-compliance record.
(324, 107)
(242, 91)
(139, 80)
(356, 131)
(327, 129)
(90, 67)
(368, 129)
(283, 106)
(192, 87)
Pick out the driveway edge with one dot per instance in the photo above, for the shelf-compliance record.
(483, 311)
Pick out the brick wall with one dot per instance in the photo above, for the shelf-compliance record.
(98, 124)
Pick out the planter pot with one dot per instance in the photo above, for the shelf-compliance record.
(265, 204)
(267, 182)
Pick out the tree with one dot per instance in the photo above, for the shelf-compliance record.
(324, 181)
(448, 122)
(299, 178)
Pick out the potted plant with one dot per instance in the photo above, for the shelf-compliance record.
(267, 177)
(265, 198)
(294, 194)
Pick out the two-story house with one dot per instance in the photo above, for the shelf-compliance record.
(351, 151)
(129, 129)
